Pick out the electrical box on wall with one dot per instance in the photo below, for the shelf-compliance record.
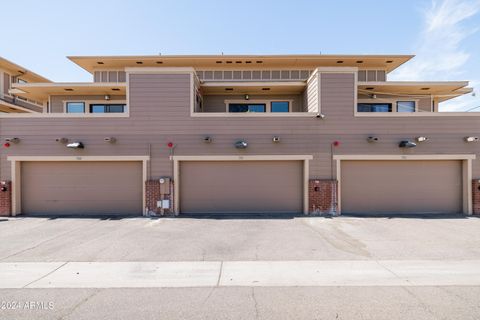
(163, 204)
(164, 185)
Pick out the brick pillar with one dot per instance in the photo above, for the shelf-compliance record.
(476, 196)
(5, 198)
(153, 194)
(322, 196)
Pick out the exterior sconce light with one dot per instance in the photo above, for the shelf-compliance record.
(12, 140)
(407, 144)
(76, 145)
(3, 187)
(421, 139)
(110, 139)
(372, 139)
(471, 139)
(62, 140)
(241, 144)
(247, 97)
(107, 97)
(276, 139)
(373, 96)
(207, 139)
(320, 116)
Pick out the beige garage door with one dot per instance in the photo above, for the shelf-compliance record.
(401, 186)
(81, 187)
(241, 186)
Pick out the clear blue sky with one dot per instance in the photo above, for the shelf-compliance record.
(42, 33)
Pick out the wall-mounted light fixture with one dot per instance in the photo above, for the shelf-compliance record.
(247, 97)
(76, 145)
(110, 139)
(107, 97)
(373, 96)
(320, 116)
(407, 144)
(276, 139)
(471, 139)
(207, 139)
(241, 144)
(421, 139)
(62, 140)
(372, 139)
(12, 140)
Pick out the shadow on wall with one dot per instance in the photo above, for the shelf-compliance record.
(409, 215)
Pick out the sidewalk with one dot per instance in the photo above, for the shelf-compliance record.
(239, 274)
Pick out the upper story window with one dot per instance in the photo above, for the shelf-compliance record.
(405, 106)
(246, 107)
(107, 108)
(374, 107)
(280, 106)
(75, 107)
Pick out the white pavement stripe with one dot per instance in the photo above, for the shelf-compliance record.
(239, 273)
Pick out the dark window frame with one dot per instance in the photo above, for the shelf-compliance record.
(280, 101)
(71, 102)
(373, 105)
(414, 106)
(264, 105)
(107, 107)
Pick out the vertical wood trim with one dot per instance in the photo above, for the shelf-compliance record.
(16, 187)
(144, 178)
(339, 186)
(306, 174)
(176, 187)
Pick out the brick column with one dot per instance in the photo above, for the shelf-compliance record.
(153, 194)
(322, 196)
(476, 196)
(5, 198)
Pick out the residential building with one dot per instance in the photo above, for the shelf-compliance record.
(239, 134)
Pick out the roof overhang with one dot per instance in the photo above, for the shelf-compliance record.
(442, 90)
(20, 71)
(41, 91)
(384, 62)
(260, 88)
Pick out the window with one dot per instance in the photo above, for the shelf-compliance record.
(405, 106)
(280, 106)
(374, 107)
(246, 107)
(75, 107)
(107, 108)
(21, 81)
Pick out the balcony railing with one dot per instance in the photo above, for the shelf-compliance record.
(22, 102)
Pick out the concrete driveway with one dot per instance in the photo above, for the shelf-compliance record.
(301, 268)
(144, 239)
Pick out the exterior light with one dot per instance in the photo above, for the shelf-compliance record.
(372, 139)
(76, 145)
(170, 145)
(320, 116)
(110, 139)
(107, 97)
(374, 96)
(471, 139)
(407, 144)
(62, 140)
(247, 97)
(241, 144)
(421, 139)
(12, 140)
(276, 139)
(207, 139)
